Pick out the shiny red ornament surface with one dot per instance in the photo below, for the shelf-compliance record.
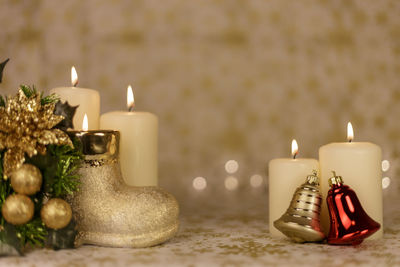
(350, 224)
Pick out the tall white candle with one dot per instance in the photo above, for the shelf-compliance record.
(285, 175)
(359, 163)
(138, 144)
(87, 100)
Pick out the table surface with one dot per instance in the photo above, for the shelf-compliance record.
(222, 237)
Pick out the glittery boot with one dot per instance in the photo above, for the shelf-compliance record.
(110, 213)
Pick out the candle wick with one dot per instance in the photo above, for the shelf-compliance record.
(130, 109)
(294, 156)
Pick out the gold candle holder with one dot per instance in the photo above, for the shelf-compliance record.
(110, 213)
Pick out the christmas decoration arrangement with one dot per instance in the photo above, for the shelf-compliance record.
(43, 164)
(60, 188)
(349, 223)
(38, 164)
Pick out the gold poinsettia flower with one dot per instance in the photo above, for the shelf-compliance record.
(26, 128)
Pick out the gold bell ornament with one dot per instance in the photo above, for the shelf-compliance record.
(301, 221)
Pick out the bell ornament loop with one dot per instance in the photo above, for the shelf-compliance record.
(313, 178)
(335, 180)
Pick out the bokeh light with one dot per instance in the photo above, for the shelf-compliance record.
(231, 166)
(385, 165)
(199, 183)
(256, 180)
(385, 182)
(231, 183)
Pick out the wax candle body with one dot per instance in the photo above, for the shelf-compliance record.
(359, 163)
(138, 145)
(88, 101)
(285, 175)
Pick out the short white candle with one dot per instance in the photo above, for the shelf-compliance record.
(87, 100)
(285, 175)
(359, 163)
(138, 144)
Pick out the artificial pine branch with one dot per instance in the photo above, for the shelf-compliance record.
(28, 91)
(31, 91)
(33, 232)
(66, 180)
(50, 99)
(5, 186)
(5, 190)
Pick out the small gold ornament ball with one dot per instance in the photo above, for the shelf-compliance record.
(17, 209)
(56, 213)
(26, 180)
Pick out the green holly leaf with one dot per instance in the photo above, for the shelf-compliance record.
(10, 244)
(68, 112)
(2, 65)
(62, 238)
(2, 101)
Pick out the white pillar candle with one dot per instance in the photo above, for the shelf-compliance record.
(359, 164)
(87, 100)
(138, 144)
(285, 175)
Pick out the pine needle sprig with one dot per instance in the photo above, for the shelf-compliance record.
(33, 232)
(5, 190)
(5, 186)
(31, 91)
(28, 91)
(50, 99)
(66, 180)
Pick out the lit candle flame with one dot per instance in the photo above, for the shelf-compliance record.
(130, 99)
(74, 76)
(350, 132)
(85, 123)
(295, 148)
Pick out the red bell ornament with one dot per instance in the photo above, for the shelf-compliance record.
(350, 224)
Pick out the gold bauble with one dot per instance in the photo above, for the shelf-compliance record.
(17, 209)
(27, 179)
(56, 213)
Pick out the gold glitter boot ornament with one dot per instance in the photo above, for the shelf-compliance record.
(110, 213)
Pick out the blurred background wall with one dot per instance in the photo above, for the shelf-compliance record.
(229, 80)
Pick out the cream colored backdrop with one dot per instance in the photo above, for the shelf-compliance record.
(228, 79)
